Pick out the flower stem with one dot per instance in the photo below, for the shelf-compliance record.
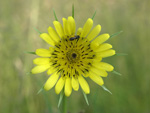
(64, 104)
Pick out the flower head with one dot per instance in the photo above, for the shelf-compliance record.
(73, 56)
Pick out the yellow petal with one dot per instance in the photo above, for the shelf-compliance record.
(100, 39)
(86, 75)
(79, 31)
(103, 47)
(53, 34)
(94, 46)
(65, 26)
(60, 84)
(97, 58)
(59, 28)
(47, 39)
(40, 69)
(43, 52)
(84, 85)
(72, 25)
(68, 86)
(95, 31)
(97, 79)
(75, 84)
(87, 27)
(41, 61)
(103, 65)
(100, 72)
(51, 81)
(106, 53)
(51, 70)
(51, 49)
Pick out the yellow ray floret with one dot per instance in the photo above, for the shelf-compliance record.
(103, 65)
(100, 39)
(47, 39)
(51, 81)
(60, 84)
(51, 70)
(72, 25)
(41, 61)
(99, 72)
(43, 52)
(106, 53)
(75, 83)
(87, 27)
(84, 85)
(65, 26)
(95, 31)
(40, 69)
(59, 28)
(103, 47)
(97, 79)
(53, 34)
(68, 87)
(79, 31)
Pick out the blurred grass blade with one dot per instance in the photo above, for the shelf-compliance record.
(115, 34)
(93, 15)
(73, 10)
(46, 97)
(106, 89)
(60, 98)
(30, 52)
(85, 97)
(55, 15)
(117, 73)
(40, 90)
(121, 54)
(37, 30)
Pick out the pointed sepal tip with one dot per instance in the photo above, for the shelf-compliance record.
(106, 89)
(86, 99)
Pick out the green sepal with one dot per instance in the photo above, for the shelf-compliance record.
(30, 52)
(73, 10)
(37, 30)
(55, 15)
(40, 90)
(85, 97)
(117, 73)
(93, 15)
(60, 98)
(115, 34)
(106, 89)
(121, 54)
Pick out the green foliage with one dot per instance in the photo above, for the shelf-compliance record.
(30, 52)
(55, 15)
(85, 97)
(73, 10)
(60, 98)
(106, 89)
(37, 30)
(115, 34)
(93, 15)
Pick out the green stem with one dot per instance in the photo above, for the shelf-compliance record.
(64, 104)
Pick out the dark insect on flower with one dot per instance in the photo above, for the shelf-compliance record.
(73, 38)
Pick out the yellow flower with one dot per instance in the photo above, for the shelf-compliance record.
(73, 56)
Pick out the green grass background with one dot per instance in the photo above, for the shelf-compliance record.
(131, 91)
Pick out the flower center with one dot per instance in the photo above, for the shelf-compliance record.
(74, 55)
